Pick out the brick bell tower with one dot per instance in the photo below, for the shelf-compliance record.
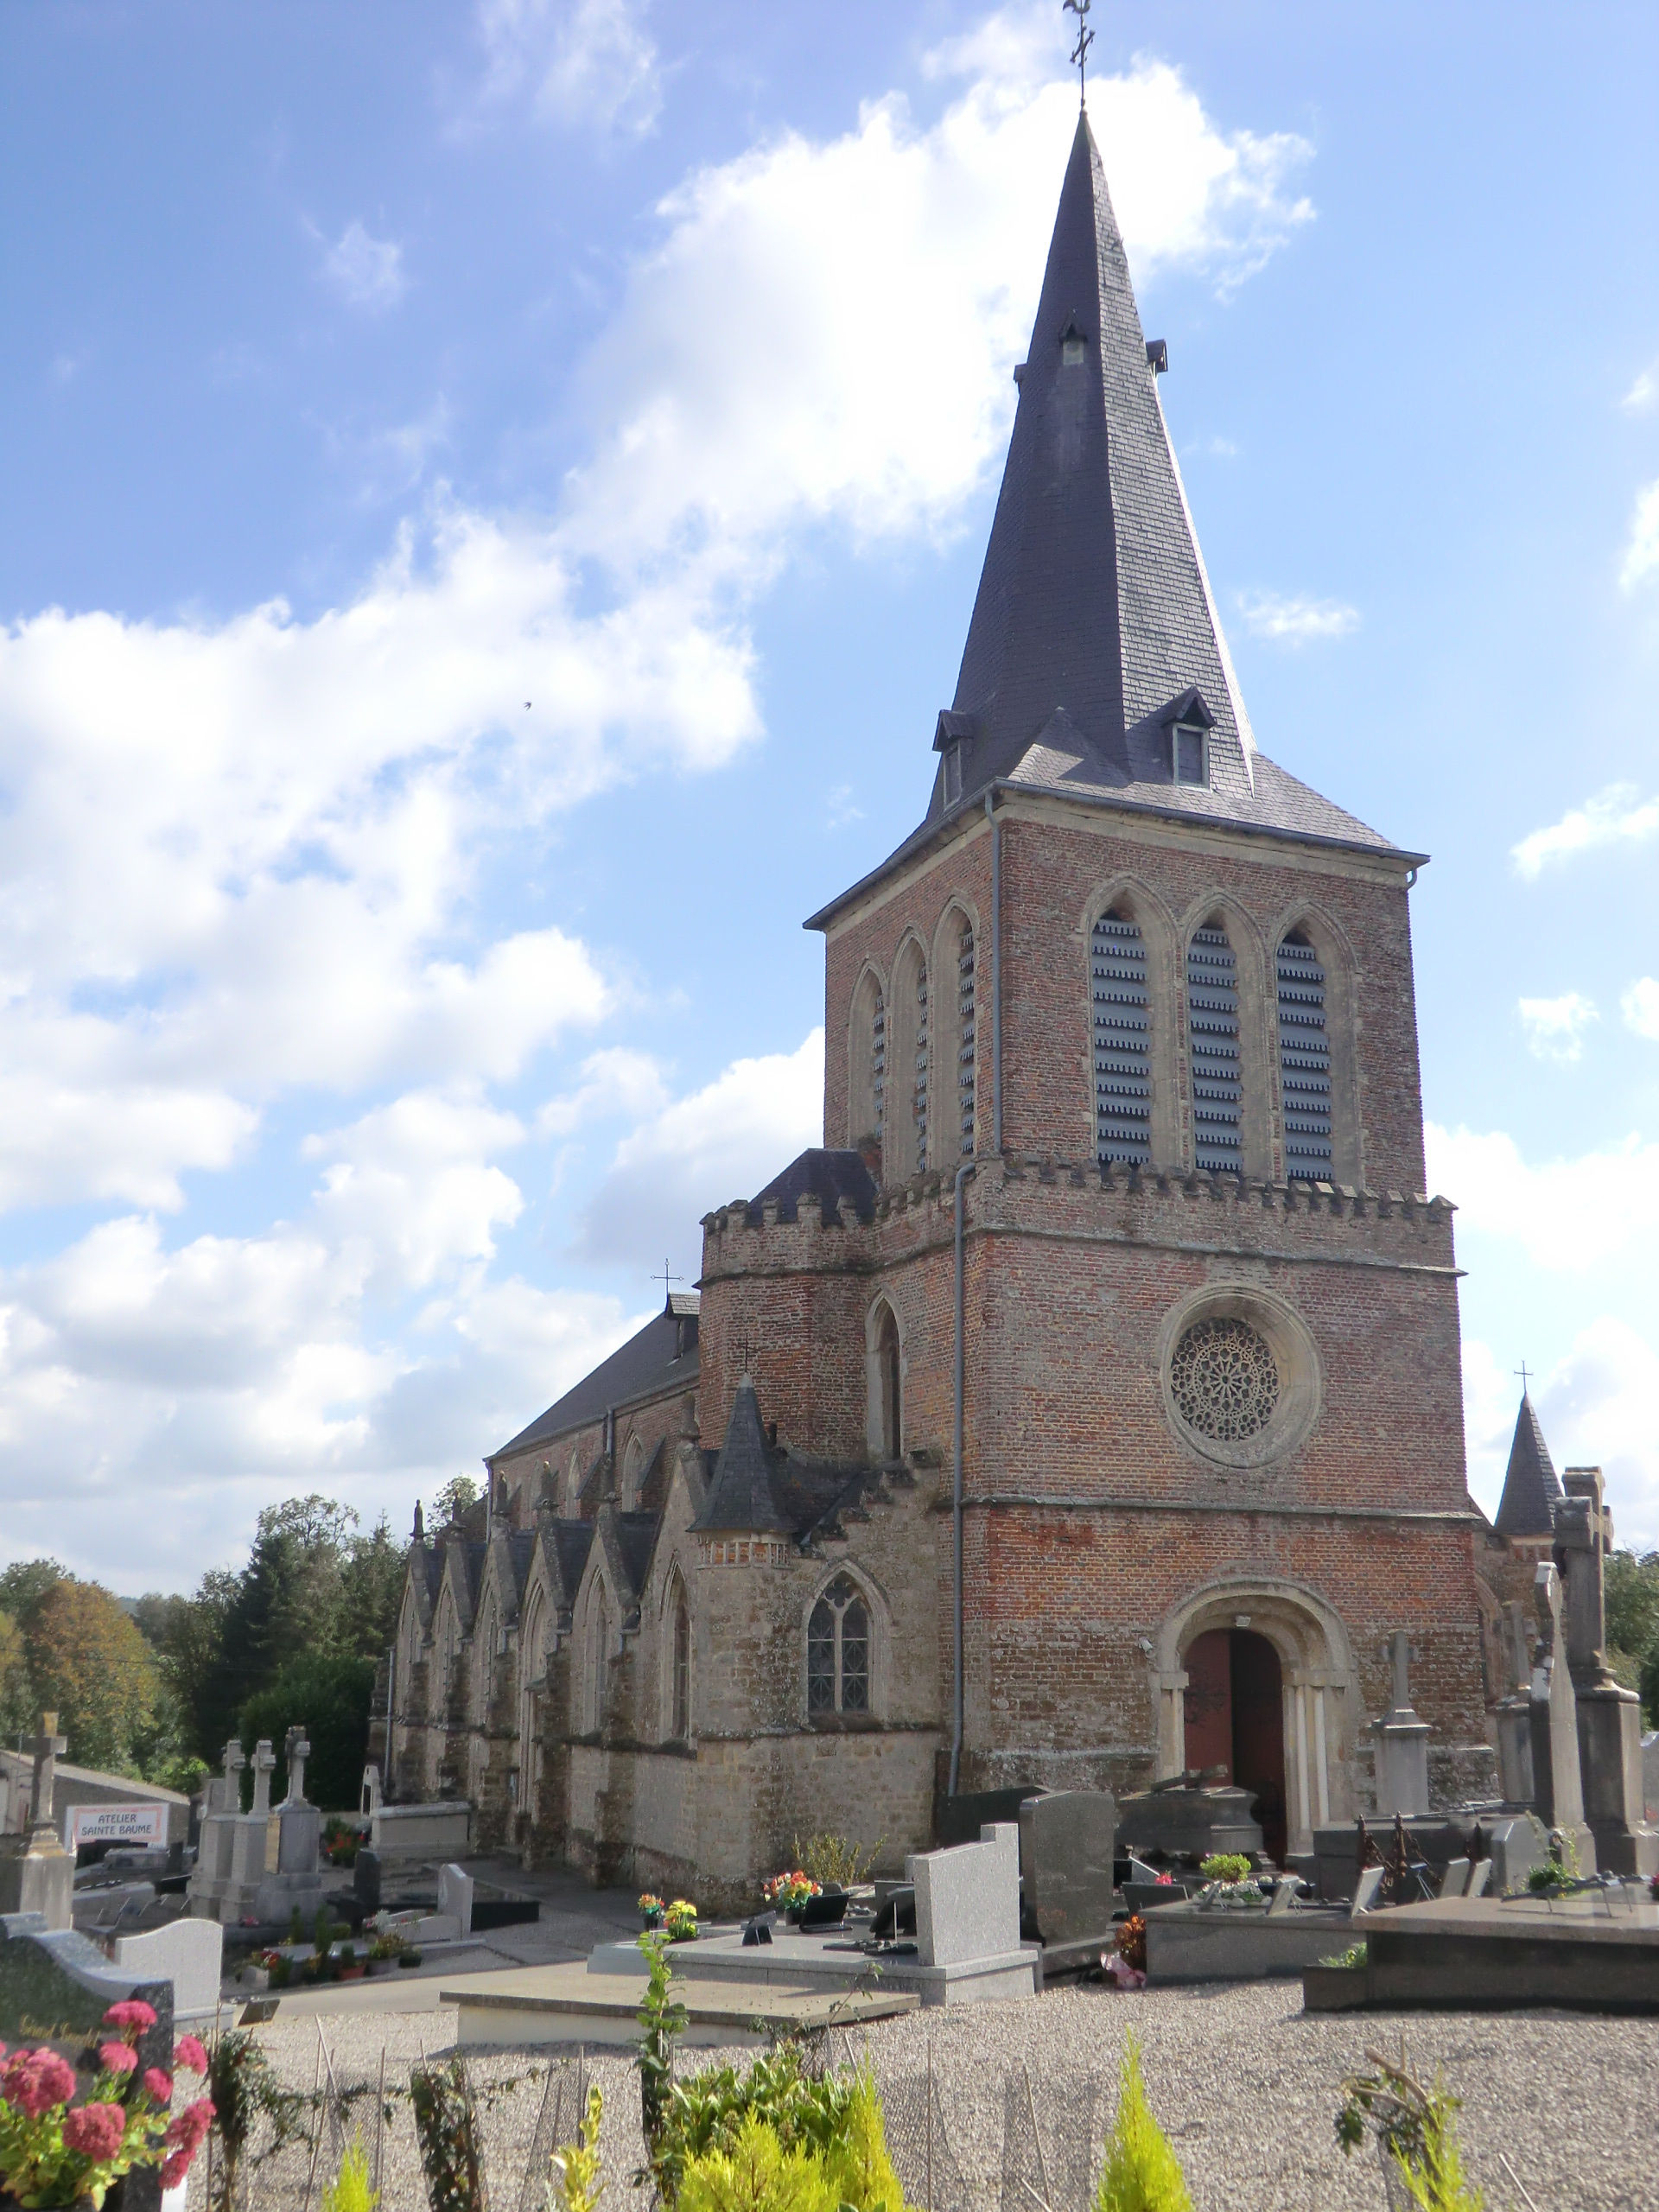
(1126, 1031)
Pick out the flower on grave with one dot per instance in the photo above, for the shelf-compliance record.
(35, 2080)
(793, 1887)
(94, 2132)
(189, 2054)
(52, 2153)
(159, 2085)
(132, 2014)
(680, 1920)
(116, 2057)
(1166, 1881)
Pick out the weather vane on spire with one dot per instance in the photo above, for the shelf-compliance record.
(1080, 51)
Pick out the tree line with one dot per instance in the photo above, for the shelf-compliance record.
(155, 1688)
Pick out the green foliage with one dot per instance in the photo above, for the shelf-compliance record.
(447, 2125)
(14, 1698)
(662, 2017)
(1355, 1956)
(1142, 2173)
(1632, 1588)
(1416, 2128)
(860, 2171)
(453, 1500)
(88, 1663)
(835, 1859)
(1226, 1866)
(330, 1692)
(349, 2191)
(757, 2173)
(575, 2182)
(243, 2085)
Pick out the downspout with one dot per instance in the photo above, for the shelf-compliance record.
(962, 1173)
(991, 816)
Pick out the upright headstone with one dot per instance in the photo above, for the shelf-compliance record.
(1558, 1791)
(968, 1899)
(1067, 1846)
(455, 1896)
(36, 1874)
(1609, 1716)
(250, 1844)
(190, 1954)
(369, 1798)
(365, 1880)
(299, 1825)
(1514, 1710)
(211, 1875)
(1651, 1774)
(1402, 1741)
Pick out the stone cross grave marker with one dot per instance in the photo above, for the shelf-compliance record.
(229, 1788)
(297, 1750)
(48, 1748)
(1609, 1717)
(264, 1761)
(1401, 1741)
(1558, 1788)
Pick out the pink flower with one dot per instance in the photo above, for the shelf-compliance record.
(35, 2080)
(175, 2168)
(95, 2130)
(130, 2012)
(117, 2057)
(189, 2054)
(159, 2085)
(190, 2126)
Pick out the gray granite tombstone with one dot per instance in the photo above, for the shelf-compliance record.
(1651, 1774)
(967, 1898)
(1185, 1821)
(1514, 1710)
(1401, 1741)
(36, 1874)
(1558, 1791)
(1609, 1716)
(365, 1880)
(1067, 1842)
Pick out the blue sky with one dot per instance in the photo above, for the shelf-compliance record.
(493, 496)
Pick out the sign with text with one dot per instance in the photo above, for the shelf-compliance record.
(144, 1825)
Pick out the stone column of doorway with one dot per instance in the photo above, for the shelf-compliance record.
(1169, 1698)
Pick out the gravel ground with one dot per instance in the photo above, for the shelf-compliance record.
(1245, 2084)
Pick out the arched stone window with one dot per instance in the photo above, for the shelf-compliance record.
(599, 1657)
(906, 1071)
(679, 1665)
(1122, 1040)
(633, 1465)
(532, 1675)
(1303, 1061)
(1213, 1044)
(952, 1043)
(868, 1061)
(572, 1484)
(888, 1391)
(484, 1643)
(839, 1651)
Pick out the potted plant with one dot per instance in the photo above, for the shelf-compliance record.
(680, 1922)
(54, 2152)
(653, 1910)
(789, 1892)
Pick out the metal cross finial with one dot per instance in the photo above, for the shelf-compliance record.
(1080, 51)
(666, 1279)
(1522, 1372)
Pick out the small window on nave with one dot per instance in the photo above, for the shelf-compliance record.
(1122, 1028)
(890, 1381)
(1304, 1062)
(680, 1675)
(1212, 1031)
(838, 1652)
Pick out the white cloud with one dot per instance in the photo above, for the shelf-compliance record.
(1295, 619)
(1642, 551)
(721, 1142)
(1558, 1212)
(1644, 391)
(1595, 1406)
(592, 62)
(366, 271)
(1614, 817)
(616, 1081)
(1490, 1397)
(1640, 1007)
(1555, 1028)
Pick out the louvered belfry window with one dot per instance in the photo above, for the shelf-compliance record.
(1122, 1030)
(1212, 1031)
(965, 1062)
(1304, 1062)
(878, 1058)
(921, 1067)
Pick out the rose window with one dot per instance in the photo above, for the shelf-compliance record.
(1224, 1380)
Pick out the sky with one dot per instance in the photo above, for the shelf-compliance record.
(493, 495)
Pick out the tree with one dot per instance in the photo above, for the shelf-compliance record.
(192, 1655)
(87, 1659)
(1632, 1592)
(329, 1694)
(15, 1696)
(371, 1588)
(453, 1500)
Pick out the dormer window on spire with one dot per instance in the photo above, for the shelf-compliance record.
(1189, 752)
(1074, 345)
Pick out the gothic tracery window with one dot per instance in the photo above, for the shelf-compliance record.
(1303, 1061)
(838, 1652)
(1212, 1034)
(1224, 1380)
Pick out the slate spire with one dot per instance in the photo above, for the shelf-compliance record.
(1093, 604)
(739, 1497)
(1532, 1489)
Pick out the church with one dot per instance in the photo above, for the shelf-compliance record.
(1089, 1407)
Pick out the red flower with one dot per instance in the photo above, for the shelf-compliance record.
(117, 2057)
(189, 2127)
(35, 2080)
(159, 2085)
(95, 2130)
(189, 2054)
(130, 2012)
(175, 2168)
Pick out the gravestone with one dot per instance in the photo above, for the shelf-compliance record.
(250, 1845)
(1517, 1843)
(1558, 1791)
(1067, 1844)
(1651, 1774)
(1609, 1716)
(369, 1798)
(455, 1897)
(1186, 1821)
(967, 1898)
(36, 1874)
(1455, 1880)
(299, 1825)
(1514, 1710)
(1402, 1741)
(212, 1874)
(190, 1954)
(365, 1880)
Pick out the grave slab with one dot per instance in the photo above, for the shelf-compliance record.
(1190, 1943)
(1516, 1954)
(435, 1832)
(1067, 1846)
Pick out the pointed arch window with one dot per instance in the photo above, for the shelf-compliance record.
(966, 1062)
(1303, 1061)
(599, 1657)
(838, 1652)
(679, 1697)
(1122, 1033)
(890, 1384)
(920, 1094)
(878, 1060)
(1212, 1031)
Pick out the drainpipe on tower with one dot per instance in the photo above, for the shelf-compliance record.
(962, 1173)
(996, 971)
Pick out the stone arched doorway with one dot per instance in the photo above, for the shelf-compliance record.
(1220, 1647)
(1236, 1720)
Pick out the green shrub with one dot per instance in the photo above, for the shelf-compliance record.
(349, 2191)
(1416, 2128)
(1225, 1866)
(1142, 2173)
(329, 1693)
(757, 2174)
(859, 2170)
(574, 2184)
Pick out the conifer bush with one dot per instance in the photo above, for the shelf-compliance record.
(1141, 2172)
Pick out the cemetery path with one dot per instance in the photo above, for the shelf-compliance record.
(1246, 2084)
